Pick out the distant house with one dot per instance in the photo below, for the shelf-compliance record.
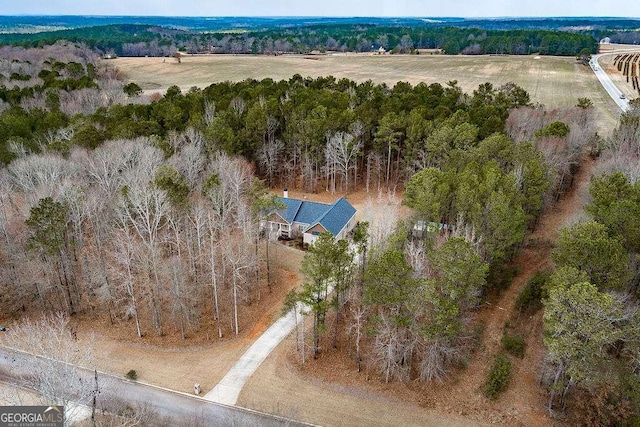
(605, 40)
(309, 219)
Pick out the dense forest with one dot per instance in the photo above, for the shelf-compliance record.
(147, 210)
(591, 299)
(141, 40)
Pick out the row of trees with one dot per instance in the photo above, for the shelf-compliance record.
(297, 132)
(139, 40)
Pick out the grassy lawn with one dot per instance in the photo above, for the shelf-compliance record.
(552, 81)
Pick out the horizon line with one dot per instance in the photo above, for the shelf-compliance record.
(326, 16)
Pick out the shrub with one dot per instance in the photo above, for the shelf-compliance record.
(530, 298)
(584, 103)
(499, 377)
(501, 277)
(514, 345)
(132, 375)
(558, 129)
(132, 89)
(603, 405)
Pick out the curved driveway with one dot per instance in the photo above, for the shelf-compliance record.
(229, 387)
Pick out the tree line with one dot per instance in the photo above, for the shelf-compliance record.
(142, 40)
(377, 133)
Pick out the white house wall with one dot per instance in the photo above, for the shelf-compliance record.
(308, 239)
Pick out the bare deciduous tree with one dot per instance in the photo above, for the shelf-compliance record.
(269, 157)
(341, 153)
(144, 208)
(392, 350)
(209, 111)
(54, 372)
(240, 258)
(123, 262)
(356, 329)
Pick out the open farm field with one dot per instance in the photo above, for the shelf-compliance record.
(614, 47)
(552, 81)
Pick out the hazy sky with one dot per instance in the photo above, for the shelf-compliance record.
(459, 8)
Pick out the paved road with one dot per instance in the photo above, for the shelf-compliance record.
(608, 85)
(174, 408)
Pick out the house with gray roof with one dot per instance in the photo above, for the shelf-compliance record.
(309, 219)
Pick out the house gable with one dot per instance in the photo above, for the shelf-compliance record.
(291, 211)
(316, 229)
(337, 217)
(277, 218)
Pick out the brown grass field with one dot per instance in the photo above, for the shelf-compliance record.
(614, 47)
(552, 81)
